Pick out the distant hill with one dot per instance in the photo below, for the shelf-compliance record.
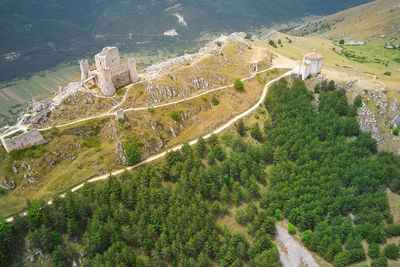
(38, 34)
(362, 23)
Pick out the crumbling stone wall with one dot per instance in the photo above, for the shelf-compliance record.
(24, 141)
(121, 79)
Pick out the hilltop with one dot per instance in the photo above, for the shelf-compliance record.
(43, 40)
(176, 101)
(195, 88)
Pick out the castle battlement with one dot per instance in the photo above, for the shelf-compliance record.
(119, 69)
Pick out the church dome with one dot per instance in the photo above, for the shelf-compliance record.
(313, 56)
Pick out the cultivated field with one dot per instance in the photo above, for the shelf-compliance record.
(14, 96)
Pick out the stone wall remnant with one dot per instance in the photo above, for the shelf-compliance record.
(23, 141)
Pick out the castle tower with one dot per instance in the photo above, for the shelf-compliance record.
(109, 72)
(84, 65)
(133, 75)
(107, 58)
(105, 83)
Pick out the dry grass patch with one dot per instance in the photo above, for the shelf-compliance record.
(66, 161)
(229, 221)
(394, 204)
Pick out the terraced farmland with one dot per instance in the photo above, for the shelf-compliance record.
(14, 96)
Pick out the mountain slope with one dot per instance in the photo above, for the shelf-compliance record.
(43, 33)
(361, 23)
(371, 70)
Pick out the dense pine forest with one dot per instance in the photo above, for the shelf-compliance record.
(309, 164)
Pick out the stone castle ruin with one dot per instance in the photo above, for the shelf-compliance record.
(23, 141)
(312, 64)
(108, 73)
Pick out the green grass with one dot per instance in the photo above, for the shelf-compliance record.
(374, 53)
(66, 173)
(14, 134)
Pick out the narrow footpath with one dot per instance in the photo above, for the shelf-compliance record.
(162, 154)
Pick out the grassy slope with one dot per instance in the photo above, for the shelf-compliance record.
(365, 22)
(75, 162)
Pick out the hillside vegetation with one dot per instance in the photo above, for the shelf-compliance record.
(323, 176)
(361, 23)
(95, 147)
(370, 70)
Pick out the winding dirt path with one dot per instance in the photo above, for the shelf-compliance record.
(112, 113)
(279, 62)
(160, 155)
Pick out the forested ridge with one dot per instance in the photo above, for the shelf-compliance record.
(322, 171)
(326, 170)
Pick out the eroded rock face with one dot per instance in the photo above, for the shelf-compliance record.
(291, 252)
(120, 153)
(368, 119)
(377, 115)
(40, 116)
(159, 93)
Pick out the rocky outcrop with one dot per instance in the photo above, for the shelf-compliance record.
(39, 106)
(40, 116)
(378, 115)
(7, 185)
(159, 93)
(214, 47)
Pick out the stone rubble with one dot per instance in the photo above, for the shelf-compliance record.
(5, 184)
(14, 169)
(377, 112)
(214, 47)
(40, 116)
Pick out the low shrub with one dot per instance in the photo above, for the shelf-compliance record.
(291, 229)
(176, 114)
(133, 152)
(238, 84)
